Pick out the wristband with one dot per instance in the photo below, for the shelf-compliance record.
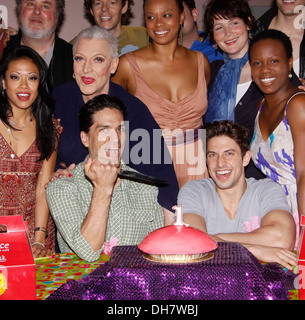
(40, 243)
(42, 229)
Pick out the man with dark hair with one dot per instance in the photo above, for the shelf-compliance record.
(192, 38)
(39, 21)
(96, 209)
(232, 208)
(113, 15)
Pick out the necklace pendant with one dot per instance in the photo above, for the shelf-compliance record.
(12, 156)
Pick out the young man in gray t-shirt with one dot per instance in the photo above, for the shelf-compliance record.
(232, 208)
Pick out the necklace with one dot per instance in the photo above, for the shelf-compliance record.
(9, 133)
(13, 123)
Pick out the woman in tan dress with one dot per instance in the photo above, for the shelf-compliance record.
(172, 81)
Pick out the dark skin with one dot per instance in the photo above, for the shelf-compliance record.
(269, 61)
(164, 61)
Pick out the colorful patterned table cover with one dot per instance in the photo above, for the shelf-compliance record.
(53, 272)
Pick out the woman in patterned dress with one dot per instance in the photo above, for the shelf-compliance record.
(278, 143)
(28, 142)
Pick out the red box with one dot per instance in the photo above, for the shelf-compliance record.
(17, 265)
(302, 261)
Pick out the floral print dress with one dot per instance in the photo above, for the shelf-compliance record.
(18, 181)
(275, 158)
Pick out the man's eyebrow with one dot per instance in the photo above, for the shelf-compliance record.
(211, 151)
(102, 126)
(105, 126)
(43, 2)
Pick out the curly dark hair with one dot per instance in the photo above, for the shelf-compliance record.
(43, 106)
(229, 129)
(125, 17)
(227, 9)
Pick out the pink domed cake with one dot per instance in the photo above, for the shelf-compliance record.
(178, 242)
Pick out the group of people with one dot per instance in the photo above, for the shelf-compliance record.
(74, 115)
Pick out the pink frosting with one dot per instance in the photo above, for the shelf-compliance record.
(177, 239)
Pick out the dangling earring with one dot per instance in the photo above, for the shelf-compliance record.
(290, 75)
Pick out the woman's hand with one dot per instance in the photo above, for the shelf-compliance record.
(39, 250)
(62, 172)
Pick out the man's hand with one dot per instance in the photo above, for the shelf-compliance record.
(282, 256)
(103, 175)
(267, 254)
(104, 178)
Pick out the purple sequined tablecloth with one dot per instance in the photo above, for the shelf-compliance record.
(232, 274)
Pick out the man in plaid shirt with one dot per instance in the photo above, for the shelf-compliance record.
(95, 209)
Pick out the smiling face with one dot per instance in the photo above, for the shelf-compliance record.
(93, 66)
(231, 35)
(38, 18)
(226, 163)
(106, 137)
(163, 20)
(287, 7)
(21, 83)
(108, 14)
(270, 66)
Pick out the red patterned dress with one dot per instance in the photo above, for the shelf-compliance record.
(18, 181)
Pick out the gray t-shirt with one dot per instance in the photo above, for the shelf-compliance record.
(261, 196)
